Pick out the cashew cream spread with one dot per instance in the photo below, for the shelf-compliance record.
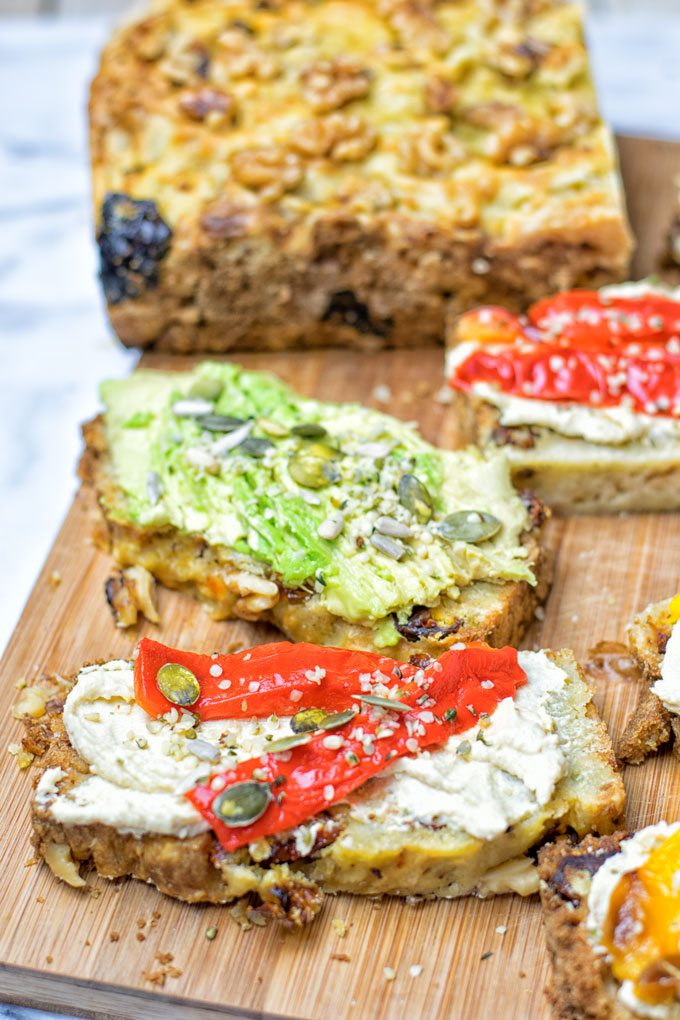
(479, 782)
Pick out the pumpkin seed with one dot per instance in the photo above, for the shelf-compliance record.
(272, 428)
(287, 743)
(309, 719)
(307, 466)
(219, 422)
(387, 703)
(415, 498)
(208, 388)
(255, 447)
(242, 803)
(469, 526)
(178, 684)
(389, 546)
(309, 430)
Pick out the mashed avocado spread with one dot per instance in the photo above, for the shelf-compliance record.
(333, 499)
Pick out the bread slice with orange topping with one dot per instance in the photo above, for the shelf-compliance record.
(603, 966)
(581, 393)
(654, 639)
(458, 818)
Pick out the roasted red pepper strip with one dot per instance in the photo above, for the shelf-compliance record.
(579, 347)
(311, 777)
(279, 678)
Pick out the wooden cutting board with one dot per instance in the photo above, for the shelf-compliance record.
(57, 945)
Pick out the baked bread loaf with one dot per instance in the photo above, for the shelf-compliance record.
(582, 393)
(288, 174)
(456, 821)
(337, 523)
(657, 716)
(602, 967)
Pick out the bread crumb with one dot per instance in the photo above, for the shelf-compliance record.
(95, 893)
(141, 922)
(539, 613)
(54, 579)
(522, 973)
(140, 936)
(49, 959)
(166, 970)
(501, 929)
(342, 957)
(444, 396)
(114, 936)
(211, 933)
(40, 899)
(390, 973)
(340, 927)
(415, 970)
(382, 393)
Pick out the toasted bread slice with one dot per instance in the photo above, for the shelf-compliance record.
(576, 476)
(375, 843)
(651, 725)
(580, 987)
(231, 582)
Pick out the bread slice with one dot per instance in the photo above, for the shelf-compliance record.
(575, 476)
(316, 174)
(580, 986)
(362, 846)
(233, 583)
(651, 725)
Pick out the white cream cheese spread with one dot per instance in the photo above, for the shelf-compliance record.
(480, 782)
(668, 687)
(633, 854)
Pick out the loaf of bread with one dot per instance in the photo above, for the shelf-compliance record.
(287, 174)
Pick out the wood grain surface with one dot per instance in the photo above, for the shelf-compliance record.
(56, 944)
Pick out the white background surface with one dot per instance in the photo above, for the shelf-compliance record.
(55, 345)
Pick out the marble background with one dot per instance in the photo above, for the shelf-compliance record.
(55, 344)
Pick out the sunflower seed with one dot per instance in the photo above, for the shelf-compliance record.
(232, 439)
(395, 550)
(205, 751)
(469, 526)
(192, 407)
(178, 684)
(154, 487)
(242, 803)
(377, 451)
(331, 527)
(392, 527)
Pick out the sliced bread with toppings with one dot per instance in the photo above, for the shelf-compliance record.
(654, 639)
(583, 394)
(433, 780)
(611, 913)
(337, 523)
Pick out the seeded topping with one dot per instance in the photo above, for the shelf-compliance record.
(178, 684)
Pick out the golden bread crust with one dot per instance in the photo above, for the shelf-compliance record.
(342, 173)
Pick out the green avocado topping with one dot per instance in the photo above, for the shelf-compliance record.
(314, 492)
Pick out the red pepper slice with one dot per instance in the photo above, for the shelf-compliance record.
(449, 697)
(278, 678)
(579, 347)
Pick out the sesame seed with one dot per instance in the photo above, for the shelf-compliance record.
(412, 745)
(296, 695)
(487, 684)
(501, 929)
(329, 792)
(215, 669)
(415, 970)
(254, 686)
(390, 973)
(332, 742)
(224, 685)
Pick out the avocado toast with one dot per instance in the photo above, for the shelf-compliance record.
(337, 523)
